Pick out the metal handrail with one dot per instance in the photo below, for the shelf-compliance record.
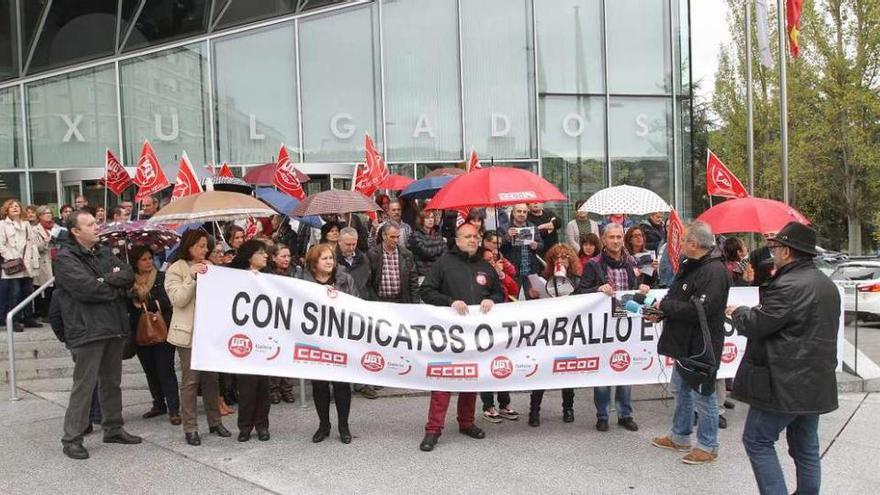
(10, 339)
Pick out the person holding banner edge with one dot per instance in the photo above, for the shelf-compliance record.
(693, 335)
(321, 268)
(458, 279)
(612, 270)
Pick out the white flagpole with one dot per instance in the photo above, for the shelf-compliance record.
(750, 137)
(783, 98)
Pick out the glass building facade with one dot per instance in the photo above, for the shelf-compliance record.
(588, 93)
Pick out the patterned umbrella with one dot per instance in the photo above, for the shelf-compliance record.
(212, 206)
(122, 236)
(625, 199)
(334, 202)
(231, 184)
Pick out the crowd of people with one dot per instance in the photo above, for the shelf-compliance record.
(404, 255)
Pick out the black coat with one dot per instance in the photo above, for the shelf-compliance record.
(548, 240)
(707, 280)
(359, 270)
(791, 355)
(513, 252)
(596, 275)
(409, 277)
(427, 249)
(91, 296)
(654, 235)
(157, 294)
(459, 277)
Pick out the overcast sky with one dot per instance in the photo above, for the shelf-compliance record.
(709, 31)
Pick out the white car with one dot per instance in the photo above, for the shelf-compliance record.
(859, 279)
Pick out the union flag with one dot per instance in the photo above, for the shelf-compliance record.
(285, 176)
(116, 178)
(720, 181)
(149, 175)
(186, 183)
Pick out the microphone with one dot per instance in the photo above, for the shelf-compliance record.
(639, 304)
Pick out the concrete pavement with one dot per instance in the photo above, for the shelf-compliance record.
(384, 456)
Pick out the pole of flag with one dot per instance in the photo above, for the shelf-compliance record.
(750, 125)
(783, 98)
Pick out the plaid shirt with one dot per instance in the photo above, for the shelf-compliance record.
(618, 278)
(389, 283)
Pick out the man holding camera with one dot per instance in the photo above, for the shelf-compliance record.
(693, 335)
(787, 373)
(521, 246)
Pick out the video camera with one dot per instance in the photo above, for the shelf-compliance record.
(639, 304)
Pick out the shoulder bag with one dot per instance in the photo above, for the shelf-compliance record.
(151, 328)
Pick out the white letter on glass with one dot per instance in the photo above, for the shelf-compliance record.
(423, 126)
(341, 125)
(566, 125)
(72, 128)
(254, 135)
(175, 130)
(500, 125)
(642, 122)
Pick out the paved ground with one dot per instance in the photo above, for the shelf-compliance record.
(384, 457)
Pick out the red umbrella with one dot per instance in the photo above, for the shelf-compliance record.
(395, 182)
(264, 175)
(494, 186)
(750, 215)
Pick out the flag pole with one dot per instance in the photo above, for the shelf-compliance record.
(106, 152)
(783, 99)
(750, 137)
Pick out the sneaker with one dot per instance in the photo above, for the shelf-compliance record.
(722, 422)
(667, 443)
(628, 423)
(369, 392)
(729, 404)
(491, 415)
(699, 456)
(508, 413)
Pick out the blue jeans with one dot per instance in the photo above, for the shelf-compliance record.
(686, 400)
(802, 431)
(12, 292)
(622, 399)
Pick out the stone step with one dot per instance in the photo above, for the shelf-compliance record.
(35, 349)
(56, 367)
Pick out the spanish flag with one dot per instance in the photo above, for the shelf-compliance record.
(793, 10)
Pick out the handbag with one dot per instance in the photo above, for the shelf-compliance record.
(16, 265)
(151, 327)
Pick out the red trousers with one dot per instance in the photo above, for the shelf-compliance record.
(440, 403)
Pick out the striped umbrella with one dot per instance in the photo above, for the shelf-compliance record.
(334, 202)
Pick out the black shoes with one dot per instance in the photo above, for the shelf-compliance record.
(193, 439)
(428, 442)
(275, 398)
(263, 435)
(244, 436)
(123, 437)
(568, 415)
(602, 425)
(32, 323)
(321, 434)
(155, 411)
(344, 435)
(89, 429)
(628, 423)
(534, 418)
(75, 451)
(722, 422)
(473, 431)
(220, 431)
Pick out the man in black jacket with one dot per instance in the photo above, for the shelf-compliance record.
(458, 279)
(693, 308)
(787, 373)
(353, 261)
(92, 283)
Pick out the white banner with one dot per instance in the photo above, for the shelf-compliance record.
(255, 323)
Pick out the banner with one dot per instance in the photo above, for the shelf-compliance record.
(763, 27)
(256, 323)
(116, 177)
(720, 181)
(793, 10)
(186, 182)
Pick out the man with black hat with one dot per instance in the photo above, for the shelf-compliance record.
(787, 372)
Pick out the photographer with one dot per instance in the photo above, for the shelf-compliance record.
(787, 373)
(521, 246)
(693, 312)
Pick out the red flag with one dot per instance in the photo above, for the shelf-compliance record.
(793, 10)
(377, 170)
(674, 231)
(186, 182)
(362, 182)
(285, 176)
(472, 164)
(250, 229)
(149, 175)
(115, 176)
(225, 171)
(720, 181)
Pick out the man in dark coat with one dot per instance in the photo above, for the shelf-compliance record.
(393, 276)
(787, 373)
(655, 231)
(697, 297)
(91, 284)
(522, 250)
(353, 261)
(460, 278)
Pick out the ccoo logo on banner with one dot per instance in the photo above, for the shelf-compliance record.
(269, 325)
